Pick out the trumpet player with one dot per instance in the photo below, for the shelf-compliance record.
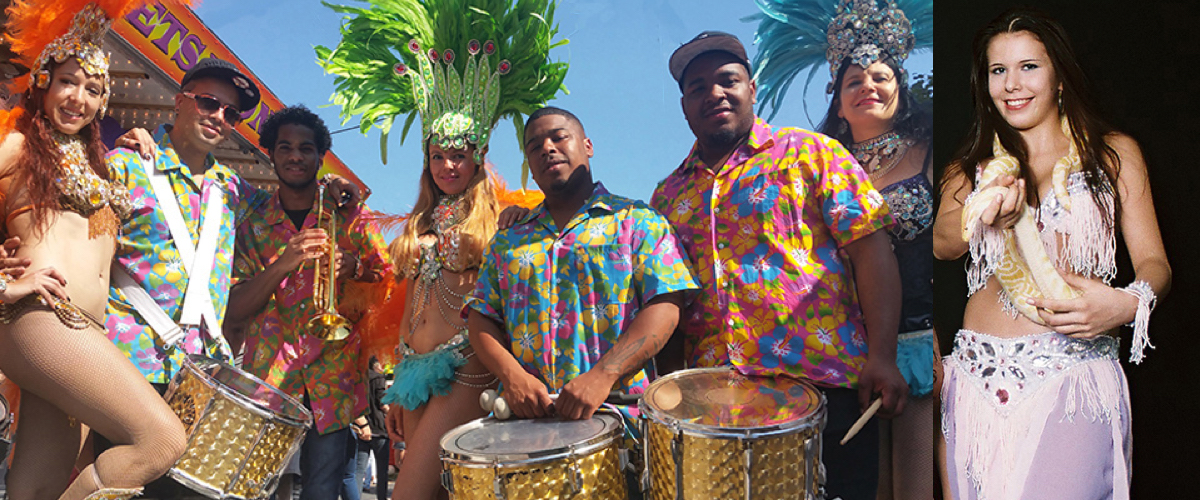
(294, 338)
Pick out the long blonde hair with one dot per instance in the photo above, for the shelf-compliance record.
(474, 232)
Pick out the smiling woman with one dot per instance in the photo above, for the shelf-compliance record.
(56, 196)
(1041, 171)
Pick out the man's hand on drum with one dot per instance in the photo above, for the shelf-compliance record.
(881, 378)
(527, 396)
(581, 396)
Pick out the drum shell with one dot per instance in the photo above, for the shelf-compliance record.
(710, 462)
(238, 444)
(539, 475)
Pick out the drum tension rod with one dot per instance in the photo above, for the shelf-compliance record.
(576, 475)
(677, 454)
(499, 484)
(748, 462)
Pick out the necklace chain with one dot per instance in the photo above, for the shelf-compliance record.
(879, 155)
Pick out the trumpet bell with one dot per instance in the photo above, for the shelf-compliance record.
(329, 327)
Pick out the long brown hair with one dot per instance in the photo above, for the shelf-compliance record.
(1089, 131)
(37, 167)
(475, 231)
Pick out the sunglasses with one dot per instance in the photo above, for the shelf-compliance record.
(209, 105)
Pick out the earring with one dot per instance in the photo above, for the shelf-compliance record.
(843, 127)
(1060, 102)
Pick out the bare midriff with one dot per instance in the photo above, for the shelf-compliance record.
(65, 246)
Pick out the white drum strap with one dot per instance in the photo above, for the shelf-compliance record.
(197, 261)
(163, 325)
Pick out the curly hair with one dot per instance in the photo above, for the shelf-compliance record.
(37, 167)
(295, 115)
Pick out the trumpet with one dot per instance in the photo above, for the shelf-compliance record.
(327, 324)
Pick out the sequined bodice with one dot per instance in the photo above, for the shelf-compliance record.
(82, 190)
(911, 204)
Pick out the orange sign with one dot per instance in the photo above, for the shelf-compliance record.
(174, 40)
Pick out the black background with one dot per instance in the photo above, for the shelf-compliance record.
(1143, 64)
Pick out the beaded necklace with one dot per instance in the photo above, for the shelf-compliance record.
(879, 155)
(437, 257)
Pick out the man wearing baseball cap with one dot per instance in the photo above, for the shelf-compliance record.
(170, 240)
(770, 214)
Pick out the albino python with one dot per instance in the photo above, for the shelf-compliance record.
(1024, 269)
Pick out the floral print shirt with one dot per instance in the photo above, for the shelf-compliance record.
(565, 298)
(147, 251)
(764, 232)
(277, 348)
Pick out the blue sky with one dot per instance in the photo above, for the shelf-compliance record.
(619, 85)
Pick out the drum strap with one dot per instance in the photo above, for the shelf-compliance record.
(197, 262)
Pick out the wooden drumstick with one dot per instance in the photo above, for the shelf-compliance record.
(858, 425)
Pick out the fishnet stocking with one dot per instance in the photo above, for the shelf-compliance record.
(80, 373)
(906, 463)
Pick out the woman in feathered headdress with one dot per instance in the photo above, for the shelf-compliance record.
(873, 111)
(56, 197)
(465, 64)
(1036, 403)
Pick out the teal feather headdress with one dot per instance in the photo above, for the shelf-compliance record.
(459, 65)
(794, 35)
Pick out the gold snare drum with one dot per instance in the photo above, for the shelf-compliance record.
(241, 431)
(716, 434)
(535, 459)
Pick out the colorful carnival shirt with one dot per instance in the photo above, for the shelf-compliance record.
(764, 232)
(564, 298)
(277, 348)
(147, 251)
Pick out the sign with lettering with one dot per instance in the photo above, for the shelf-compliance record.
(174, 40)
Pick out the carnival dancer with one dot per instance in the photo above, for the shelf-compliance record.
(66, 206)
(460, 72)
(874, 113)
(273, 291)
(1034, 392)
(764, 215)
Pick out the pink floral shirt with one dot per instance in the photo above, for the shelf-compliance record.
(764, 232)
(277, 349)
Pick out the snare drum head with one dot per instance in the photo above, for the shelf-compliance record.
(486, 439)
(724, 398)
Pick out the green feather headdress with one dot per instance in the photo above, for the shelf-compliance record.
(459, 65)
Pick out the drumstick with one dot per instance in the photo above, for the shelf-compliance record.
(858, 425)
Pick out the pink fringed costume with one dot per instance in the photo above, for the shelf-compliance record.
(1041, 416)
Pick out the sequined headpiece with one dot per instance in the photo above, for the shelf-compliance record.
(83, 41)
(799, 35)
(506, 71)
(456, 110)
(866, 33)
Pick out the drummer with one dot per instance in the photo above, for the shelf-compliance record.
(576, 297)
(274, 288)
(776, 297)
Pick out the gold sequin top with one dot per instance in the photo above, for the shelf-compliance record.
(82, 190)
